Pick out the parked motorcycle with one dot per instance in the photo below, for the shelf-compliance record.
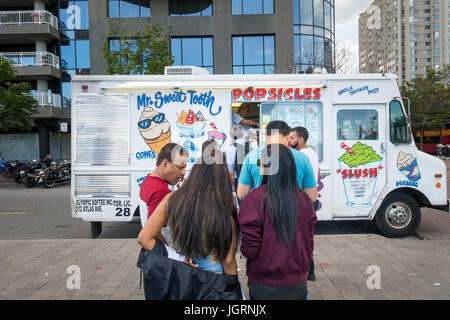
(28, 173)
(48, 173)
(5, 168)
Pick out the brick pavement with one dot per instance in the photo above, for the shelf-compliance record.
(410, 268)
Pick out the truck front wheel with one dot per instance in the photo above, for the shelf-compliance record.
(398, 216)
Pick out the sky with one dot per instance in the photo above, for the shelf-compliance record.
(347, 13)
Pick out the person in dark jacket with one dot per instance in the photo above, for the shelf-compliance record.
(277, 232)
(202, 216)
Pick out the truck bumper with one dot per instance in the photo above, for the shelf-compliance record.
(445, 207)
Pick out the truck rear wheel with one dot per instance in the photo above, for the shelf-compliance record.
(398, 216)
(96, 229)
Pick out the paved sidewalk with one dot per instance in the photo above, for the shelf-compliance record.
(410, 268)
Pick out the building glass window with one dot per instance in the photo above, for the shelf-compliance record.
(254, 54)
(75, 56)
(318, 13)
(193, 52)
(306, 11)
(239, 7)
(313, 34)
(129, 8)
(190, 8)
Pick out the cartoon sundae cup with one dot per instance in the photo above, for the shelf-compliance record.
(220, 137)
(407, 164)
(191, 125)
(154, 128)
(359, 168)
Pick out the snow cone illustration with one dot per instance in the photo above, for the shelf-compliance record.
(154, 128)
(407, 164)
(359, 168)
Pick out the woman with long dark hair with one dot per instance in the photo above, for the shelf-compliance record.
(201, 215)
(277, 224)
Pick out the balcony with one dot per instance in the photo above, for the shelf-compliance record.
(34, 65)
(27, 26)
(47, 99)
(49, 106)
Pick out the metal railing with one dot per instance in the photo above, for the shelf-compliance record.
(26, 59)
(28, 17)
(47, 99)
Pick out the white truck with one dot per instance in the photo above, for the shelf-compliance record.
(370, 167)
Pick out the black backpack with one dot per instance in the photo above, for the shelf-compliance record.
(238, 162)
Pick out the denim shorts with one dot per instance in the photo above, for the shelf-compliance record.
(207, 264)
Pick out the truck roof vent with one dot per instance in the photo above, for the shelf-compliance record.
(184, 70)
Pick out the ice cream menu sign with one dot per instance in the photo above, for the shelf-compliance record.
(359, 168)
(187, 117)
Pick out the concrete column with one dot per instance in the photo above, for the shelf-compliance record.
(98, 27)
(159, 8)
(284, 37)
(223, 50)
(42, 86)
(44, 141)
(39, 5)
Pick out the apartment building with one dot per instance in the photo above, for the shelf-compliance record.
(30, 36)
(405, 37)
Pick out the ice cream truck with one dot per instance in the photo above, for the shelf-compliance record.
(370, 168)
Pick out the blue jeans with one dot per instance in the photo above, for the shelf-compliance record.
(207, 264)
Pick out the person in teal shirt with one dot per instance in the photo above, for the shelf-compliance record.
(277, 132)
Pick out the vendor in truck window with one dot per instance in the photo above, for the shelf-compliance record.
(239, 119)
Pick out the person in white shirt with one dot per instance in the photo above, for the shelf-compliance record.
(298, 137)
(238, 119)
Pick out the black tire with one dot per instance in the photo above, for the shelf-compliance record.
(29, 182)
(137, 212)
(96, 229)
(398, 216)
(18, 179)
(49, 184)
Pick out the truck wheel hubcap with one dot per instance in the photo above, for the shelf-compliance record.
(398, 215)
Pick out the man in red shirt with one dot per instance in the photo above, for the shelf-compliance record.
(170, 169)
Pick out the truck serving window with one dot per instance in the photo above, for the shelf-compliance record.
(304, 114)
(357, 124)
(398, 124)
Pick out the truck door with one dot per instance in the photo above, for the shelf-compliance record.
(359, 159)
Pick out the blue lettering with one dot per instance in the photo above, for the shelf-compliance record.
(143, 101)
(407, 184)
(145, 155)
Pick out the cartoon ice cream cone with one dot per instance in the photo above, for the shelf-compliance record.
(407, 164)
(155, 129)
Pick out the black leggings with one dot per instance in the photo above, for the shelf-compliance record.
(297, 291)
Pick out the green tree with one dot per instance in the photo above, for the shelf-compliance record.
(16, 104)
(430, 100)
(144, 51)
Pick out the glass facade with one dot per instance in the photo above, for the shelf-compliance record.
(313, 34)
(190, 51)
(190, 8)
(129, 8)
(75, 57)
(253, 54)
(239, 7)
